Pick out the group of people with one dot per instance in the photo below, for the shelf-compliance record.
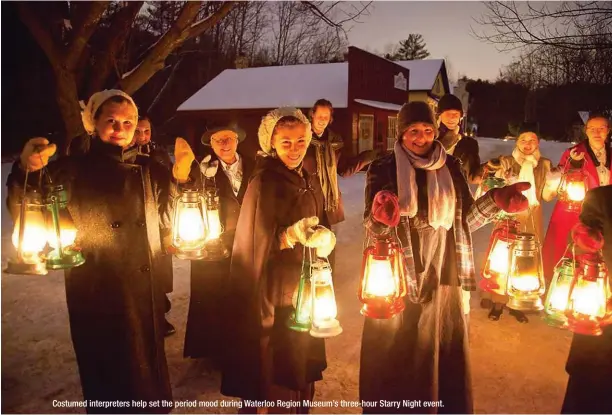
(272, 210)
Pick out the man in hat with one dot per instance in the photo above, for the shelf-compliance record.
(231, 172)
(463, 148)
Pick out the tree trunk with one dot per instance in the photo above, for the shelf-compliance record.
(68, 102)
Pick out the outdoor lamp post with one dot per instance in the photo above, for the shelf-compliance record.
(525, 278)
(573, 188)
(29, 237)
(215, 247)
(383, 284)
(61, 231)
(558, 294)
(324, 310)
(590, 298)
(497, 266)
(189, 227)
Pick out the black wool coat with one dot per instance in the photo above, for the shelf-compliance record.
(262, 282)
(205, 321)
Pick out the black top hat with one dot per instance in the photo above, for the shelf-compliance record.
(232, 126)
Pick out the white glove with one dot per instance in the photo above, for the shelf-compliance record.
(209, 168)
(323, 240)
(301, 231)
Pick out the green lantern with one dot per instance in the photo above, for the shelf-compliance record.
(301, 317)
(558, 294)
(61, 231)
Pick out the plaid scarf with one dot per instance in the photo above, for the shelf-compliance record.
(328, 171)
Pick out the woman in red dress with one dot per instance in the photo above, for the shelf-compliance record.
(594, 156)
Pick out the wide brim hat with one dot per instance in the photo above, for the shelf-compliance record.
(224, 127)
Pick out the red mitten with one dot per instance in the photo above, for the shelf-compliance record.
(511, 198)
(587, 239)
(385, 208)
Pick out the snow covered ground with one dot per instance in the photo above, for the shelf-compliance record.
(515, 368)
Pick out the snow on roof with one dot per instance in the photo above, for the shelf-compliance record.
(423, 73)
(378, 104)
(293, 85)
(272, 87)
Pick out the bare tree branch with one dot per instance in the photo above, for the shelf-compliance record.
(119, 30)
(83, 32)
(41, 33)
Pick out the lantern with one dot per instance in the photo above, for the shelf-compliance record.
(497, 265)
(590, 297)
(558, 294)
(573, 188)
(526, 278)
(215, 248)
(300, 319)
(324, 309)
(29, 237)
(189, 227)
(383, 284)
(61, 232)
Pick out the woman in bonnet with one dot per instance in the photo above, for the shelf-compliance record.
(281, 213)
(421, 354)
(115, 301)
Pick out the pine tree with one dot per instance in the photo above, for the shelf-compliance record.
(412, 48)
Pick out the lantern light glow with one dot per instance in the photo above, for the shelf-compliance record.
(324, 309)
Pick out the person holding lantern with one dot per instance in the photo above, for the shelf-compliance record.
(589, 363)
(419, 193)
(227, 173)
(584, 166)
(115, 300)
(525, 164)
(281, 217)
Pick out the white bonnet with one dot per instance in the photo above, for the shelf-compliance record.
(269, 122)
(89, 111)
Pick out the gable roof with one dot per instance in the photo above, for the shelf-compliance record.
(294, 85)
(272, 87)
(423, 73)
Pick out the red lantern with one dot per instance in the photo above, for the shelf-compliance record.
(383, 284)
(590, 296)
(573, 188)
(497, 266)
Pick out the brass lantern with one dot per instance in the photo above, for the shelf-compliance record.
(215, 247)
(526, 277)
(383, 284)
(189, 227)
(497, 265)
(324, 309)
(61, 231)
(573, 188)
(590, 296)
(558, 294)
(29, 237)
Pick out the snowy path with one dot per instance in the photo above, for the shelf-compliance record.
(515, 368)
